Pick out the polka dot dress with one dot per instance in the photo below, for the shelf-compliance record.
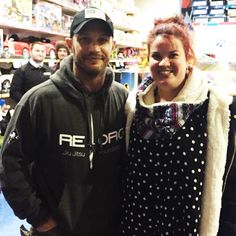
(163, 181)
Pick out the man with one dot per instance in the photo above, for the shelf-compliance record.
(32, 73)
(64, 145)
(62, 51)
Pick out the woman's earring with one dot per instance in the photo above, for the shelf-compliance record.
(189, 69)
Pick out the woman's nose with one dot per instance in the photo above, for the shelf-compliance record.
(164, 61)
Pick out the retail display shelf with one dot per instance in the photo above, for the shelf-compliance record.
(20, 60)
(125, 8)
(4, 95)
(125, 27)
(128, 45)
(66, 7)
(213, 23)
(13, 27)
(131, 60)
(11, 60)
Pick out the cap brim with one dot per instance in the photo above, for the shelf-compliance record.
(80, 26)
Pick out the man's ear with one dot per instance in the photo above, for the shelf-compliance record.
(69, 42)
(113, 44)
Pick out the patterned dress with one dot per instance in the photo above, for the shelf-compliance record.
(163, 179)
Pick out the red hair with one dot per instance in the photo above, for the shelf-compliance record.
(176, 27)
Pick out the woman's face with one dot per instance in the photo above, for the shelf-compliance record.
(167, 61)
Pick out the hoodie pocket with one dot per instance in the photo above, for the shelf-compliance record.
(72, 203)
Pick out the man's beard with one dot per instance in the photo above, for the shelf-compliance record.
(84, 69)
(37, 60)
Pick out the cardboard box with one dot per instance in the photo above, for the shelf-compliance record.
(19, 11)
(201, 19)
(217, 10)
(217, 19)
(47, 16)
(203, 10)
(198, 3)
(66, 23)
(217, 3)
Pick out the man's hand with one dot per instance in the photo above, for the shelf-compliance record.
(47, 225)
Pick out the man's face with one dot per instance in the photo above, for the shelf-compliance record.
(92, 48)
(38, 53)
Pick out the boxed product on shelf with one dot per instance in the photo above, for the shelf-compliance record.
(47, 16)
(1, 42)
(198, 3)
(231, 2)
(217, 3)
(201, 19)
(200, 10)
(16, 11)
(94, 3)
(128, 78)
(66, 22)
(231, 19)
(5, 83)
(217, 10)
(218, 19)
(81, 4)
(68, 2)
(231, 10)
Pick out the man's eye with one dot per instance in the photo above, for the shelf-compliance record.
(84, 40)
(156, 56)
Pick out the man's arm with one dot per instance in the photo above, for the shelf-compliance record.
(16, 89)
(17, 156)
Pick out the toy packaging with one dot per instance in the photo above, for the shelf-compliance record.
(66, 23)
(47, 16)
(1, 41)
(16, 11)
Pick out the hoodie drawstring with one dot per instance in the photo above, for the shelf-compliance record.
(91, 154)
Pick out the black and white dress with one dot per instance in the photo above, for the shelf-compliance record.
(163, 179)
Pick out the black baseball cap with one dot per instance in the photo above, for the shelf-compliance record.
(89, 14)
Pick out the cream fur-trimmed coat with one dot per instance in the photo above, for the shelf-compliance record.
(196, 90)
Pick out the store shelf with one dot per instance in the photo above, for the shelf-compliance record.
(125, 27)
(17, 28)
(215, 39)
(124, 60)
(4, 95)
(129, 10)
(19, 60)
(125, 22)
(213, 23)
(71, 9)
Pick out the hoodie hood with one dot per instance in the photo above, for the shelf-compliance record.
(65, 81)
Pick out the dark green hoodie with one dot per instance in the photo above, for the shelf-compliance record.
(62, 155)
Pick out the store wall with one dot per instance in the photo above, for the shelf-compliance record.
(150, 9)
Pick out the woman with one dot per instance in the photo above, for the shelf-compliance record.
(178, 145)
(62, 51)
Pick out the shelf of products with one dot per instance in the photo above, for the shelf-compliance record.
(216, 52)
(50, 20)
(213, 11)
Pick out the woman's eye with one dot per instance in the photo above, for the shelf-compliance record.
(173, 55)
